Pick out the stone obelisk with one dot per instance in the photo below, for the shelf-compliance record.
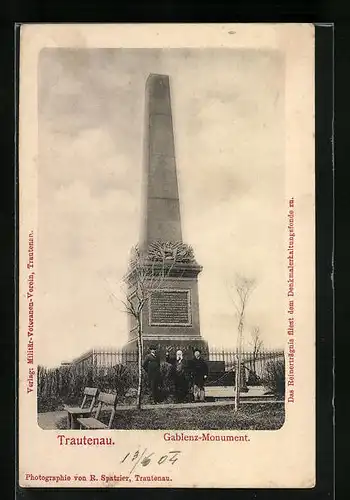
(161, 210)
(170, 316)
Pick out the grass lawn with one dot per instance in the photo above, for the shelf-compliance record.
(265, 416)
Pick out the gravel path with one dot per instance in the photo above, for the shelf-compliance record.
(48, 420)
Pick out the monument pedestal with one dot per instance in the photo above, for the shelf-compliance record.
(170, 315)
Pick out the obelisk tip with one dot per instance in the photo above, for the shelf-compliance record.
(153, 77)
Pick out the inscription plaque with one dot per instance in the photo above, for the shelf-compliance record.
(170, 307)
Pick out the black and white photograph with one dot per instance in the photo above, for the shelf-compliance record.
(160, 173)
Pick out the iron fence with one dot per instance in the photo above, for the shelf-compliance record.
(253, 362)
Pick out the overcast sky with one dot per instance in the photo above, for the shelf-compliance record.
(228, 114)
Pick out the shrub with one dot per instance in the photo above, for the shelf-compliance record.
(275, 377)
(65, 385)
(167, 387)
(253, 378)
(116, 379)
(57, 386)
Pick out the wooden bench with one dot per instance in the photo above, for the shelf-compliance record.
(109, 400)
(73, 412)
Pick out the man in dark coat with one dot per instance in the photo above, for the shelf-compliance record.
(199, 375)
(151, 365)
(181, 377)
(168, 375)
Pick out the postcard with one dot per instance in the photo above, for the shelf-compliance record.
(166, 256)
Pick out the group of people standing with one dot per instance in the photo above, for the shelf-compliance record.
(185, 377)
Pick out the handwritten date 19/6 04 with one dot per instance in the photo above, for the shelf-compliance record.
(145, 459)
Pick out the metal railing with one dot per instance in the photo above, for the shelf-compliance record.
(254, 362)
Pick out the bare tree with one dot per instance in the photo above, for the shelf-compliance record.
(257, 344)
(146, 274)
(240, 292)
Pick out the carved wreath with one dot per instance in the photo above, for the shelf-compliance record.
(159, 251)
(170, 250)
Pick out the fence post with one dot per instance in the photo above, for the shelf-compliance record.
(237, 384)
(244, 387)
